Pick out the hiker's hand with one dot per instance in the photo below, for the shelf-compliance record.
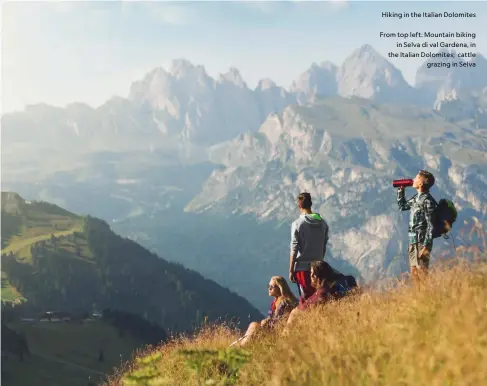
(423, 251)
(292, 276)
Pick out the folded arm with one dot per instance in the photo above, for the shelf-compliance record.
(281, 311)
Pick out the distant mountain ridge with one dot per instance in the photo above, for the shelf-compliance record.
(61, 261)
(346, 152)
(188, 154)
(186, 104)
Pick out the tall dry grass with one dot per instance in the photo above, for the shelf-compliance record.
(434, 335)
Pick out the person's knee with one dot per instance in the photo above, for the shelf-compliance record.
(293, 315)
(253, 326)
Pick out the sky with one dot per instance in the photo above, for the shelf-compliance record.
(64, 52)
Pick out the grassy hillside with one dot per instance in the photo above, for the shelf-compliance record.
(24, 224)
(436, 335)
(10, 293)
(60, 261)
(67, 353)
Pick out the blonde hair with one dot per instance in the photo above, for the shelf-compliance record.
(285, 290)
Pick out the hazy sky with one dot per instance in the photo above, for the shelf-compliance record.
(60, 52)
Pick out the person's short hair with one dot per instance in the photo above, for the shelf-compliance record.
(324, 271)
(428, 179)
(305, 200)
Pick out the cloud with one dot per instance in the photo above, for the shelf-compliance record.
(339, 4)
(172, 13)
(182, 13)
(261, 6)
(329, 5)
(269, 7)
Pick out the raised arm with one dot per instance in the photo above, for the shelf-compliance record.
(401, 200)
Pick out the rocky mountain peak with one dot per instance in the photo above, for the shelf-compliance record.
(366, 52)
(433, 79)
(265, 84)
(155, 78)
(318, 80)
(233, 76)
(182, 68)
(367, 74)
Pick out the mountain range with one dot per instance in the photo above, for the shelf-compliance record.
(206, 170)
(55, 260)
(186, 103)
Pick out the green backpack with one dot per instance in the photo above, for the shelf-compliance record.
(444, 215)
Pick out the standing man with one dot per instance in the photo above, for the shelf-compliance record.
(309, 236)
(420, 232)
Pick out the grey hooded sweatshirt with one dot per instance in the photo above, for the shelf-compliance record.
(309, 236)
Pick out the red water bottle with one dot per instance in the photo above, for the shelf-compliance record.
(404, 183)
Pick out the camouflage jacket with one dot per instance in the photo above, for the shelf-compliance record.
(420, 220)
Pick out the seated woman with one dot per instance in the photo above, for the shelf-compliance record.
(283, 303)
(327, 284)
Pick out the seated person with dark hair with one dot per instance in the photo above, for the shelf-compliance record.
(328, 285)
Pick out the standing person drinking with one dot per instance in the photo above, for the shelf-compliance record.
(420, 232)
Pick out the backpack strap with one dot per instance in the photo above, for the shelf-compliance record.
(432, 199)
(427, 196)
